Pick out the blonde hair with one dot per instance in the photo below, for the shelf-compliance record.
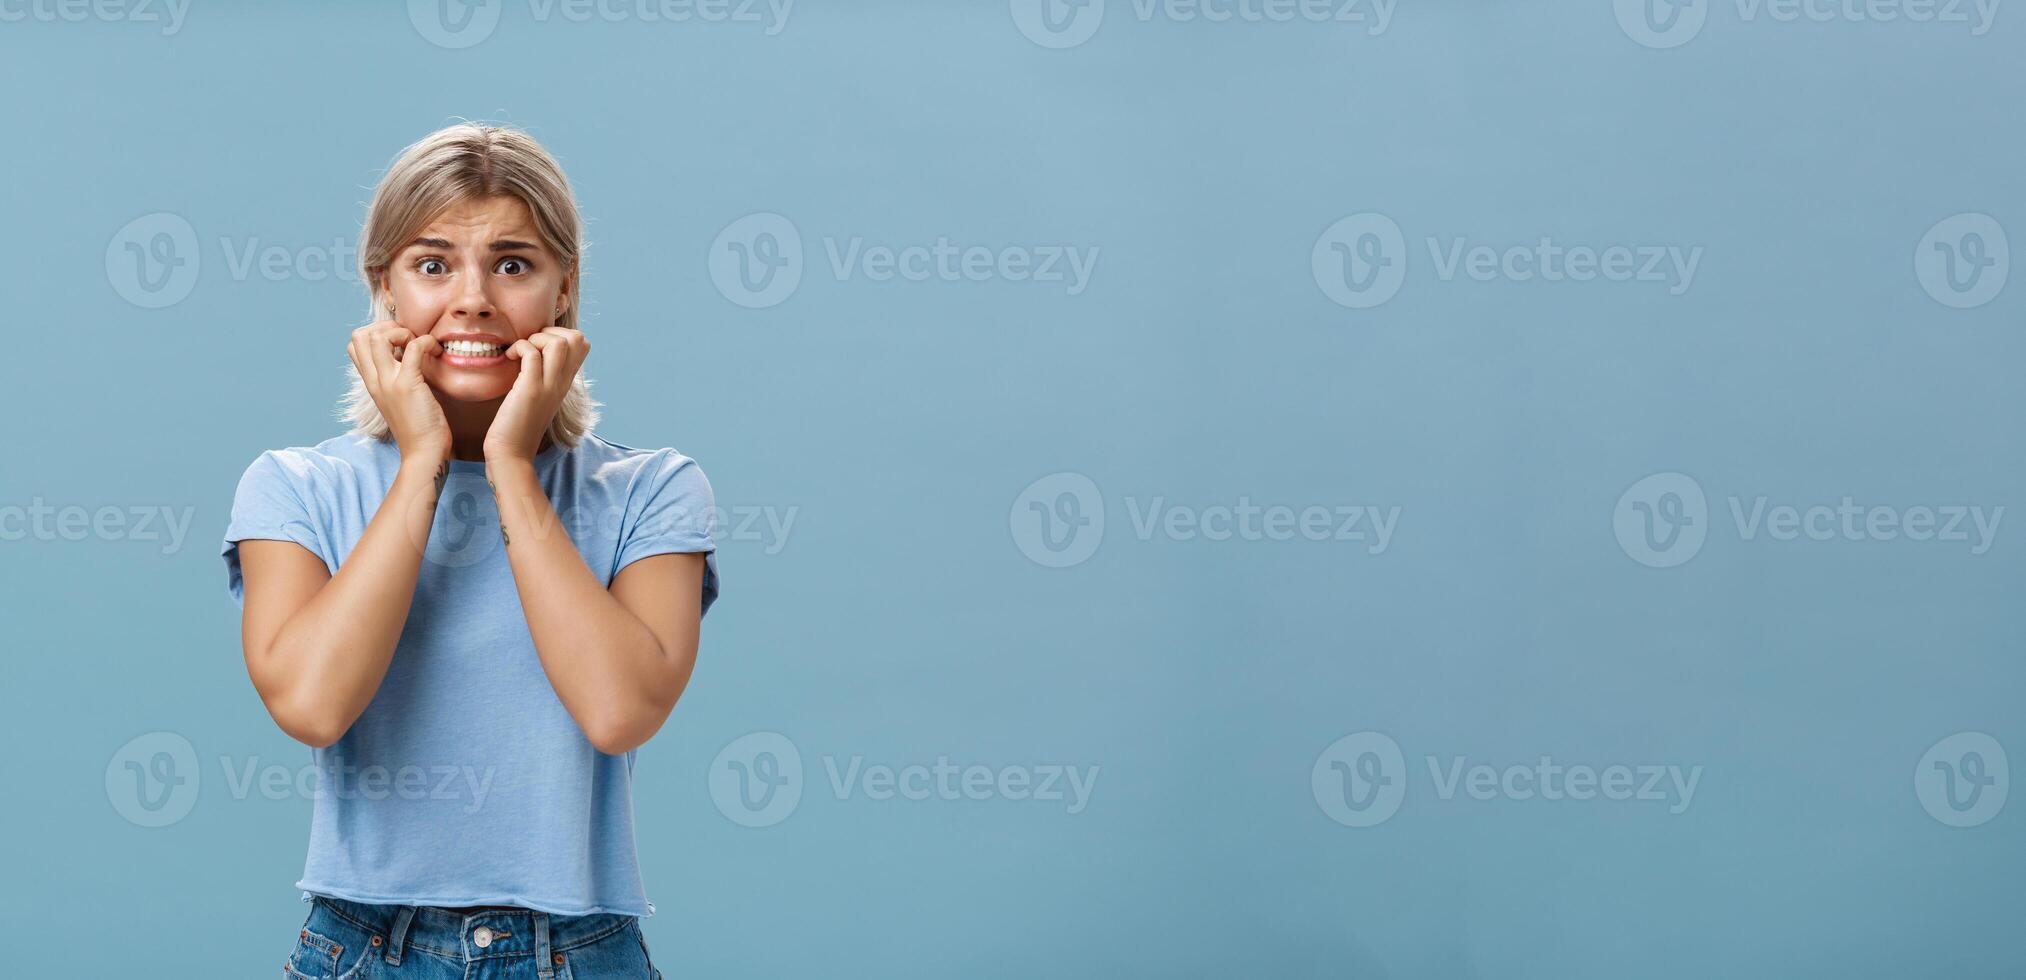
(457, 163)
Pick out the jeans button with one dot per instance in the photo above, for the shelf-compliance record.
(481, 937)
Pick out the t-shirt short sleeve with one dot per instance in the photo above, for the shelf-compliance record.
(671, 510)
(268, 504)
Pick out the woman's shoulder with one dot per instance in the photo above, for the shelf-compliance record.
(640, 472)
(343, 454)
(629, 457)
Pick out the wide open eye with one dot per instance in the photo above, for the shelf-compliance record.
(430, 265)
(514, 265)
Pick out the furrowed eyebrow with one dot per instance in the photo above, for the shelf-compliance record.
(503, 245)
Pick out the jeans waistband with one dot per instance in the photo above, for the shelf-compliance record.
(456, 935)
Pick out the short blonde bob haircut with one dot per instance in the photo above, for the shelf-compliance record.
(458, 163)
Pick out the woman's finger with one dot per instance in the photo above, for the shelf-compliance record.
(418, 353)
(361, 361)
(556, 363)
(544, 348)
(381, 349)
(530, 357)
(568, 352)
(563, 336)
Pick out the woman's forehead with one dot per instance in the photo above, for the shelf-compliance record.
(482, 221)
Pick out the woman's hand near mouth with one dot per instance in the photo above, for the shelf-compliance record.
(549, 362)
(406, 401)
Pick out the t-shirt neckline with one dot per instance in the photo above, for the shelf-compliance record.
(543, 460)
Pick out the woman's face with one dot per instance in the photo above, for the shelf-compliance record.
(478, 274)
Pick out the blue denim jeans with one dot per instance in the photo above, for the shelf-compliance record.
(345, 940)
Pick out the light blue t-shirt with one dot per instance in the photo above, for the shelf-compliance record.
(465, 782)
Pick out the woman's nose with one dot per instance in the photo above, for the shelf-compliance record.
(472, 301)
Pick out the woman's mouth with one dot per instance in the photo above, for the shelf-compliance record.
(473, 353)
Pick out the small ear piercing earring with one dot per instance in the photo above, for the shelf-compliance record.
(390, 309)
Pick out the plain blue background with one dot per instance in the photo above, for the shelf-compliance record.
(900, 422)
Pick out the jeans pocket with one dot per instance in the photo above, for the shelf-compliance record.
(330, 948)
(315, 956)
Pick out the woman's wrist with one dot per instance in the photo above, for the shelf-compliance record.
(433, 465)
(498, 468)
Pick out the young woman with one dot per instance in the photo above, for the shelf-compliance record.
(472, 609)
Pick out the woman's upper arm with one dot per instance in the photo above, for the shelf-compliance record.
(280, 578)
(655, 588)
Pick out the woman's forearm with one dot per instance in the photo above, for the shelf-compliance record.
(326, 662)
(606, 665)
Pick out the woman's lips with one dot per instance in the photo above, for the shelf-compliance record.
(470, 355)
(472, 361)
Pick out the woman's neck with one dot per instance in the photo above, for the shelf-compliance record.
(469, 422)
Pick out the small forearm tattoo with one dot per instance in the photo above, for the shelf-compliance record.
(504, 540)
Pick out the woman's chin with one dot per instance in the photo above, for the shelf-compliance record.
(470, 389)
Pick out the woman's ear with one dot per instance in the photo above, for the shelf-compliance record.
(563, 294)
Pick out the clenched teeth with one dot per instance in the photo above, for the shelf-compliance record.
(473, 348)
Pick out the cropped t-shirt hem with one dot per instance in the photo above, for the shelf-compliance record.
(538, 905)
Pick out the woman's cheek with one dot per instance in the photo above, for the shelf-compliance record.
(533, 308)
